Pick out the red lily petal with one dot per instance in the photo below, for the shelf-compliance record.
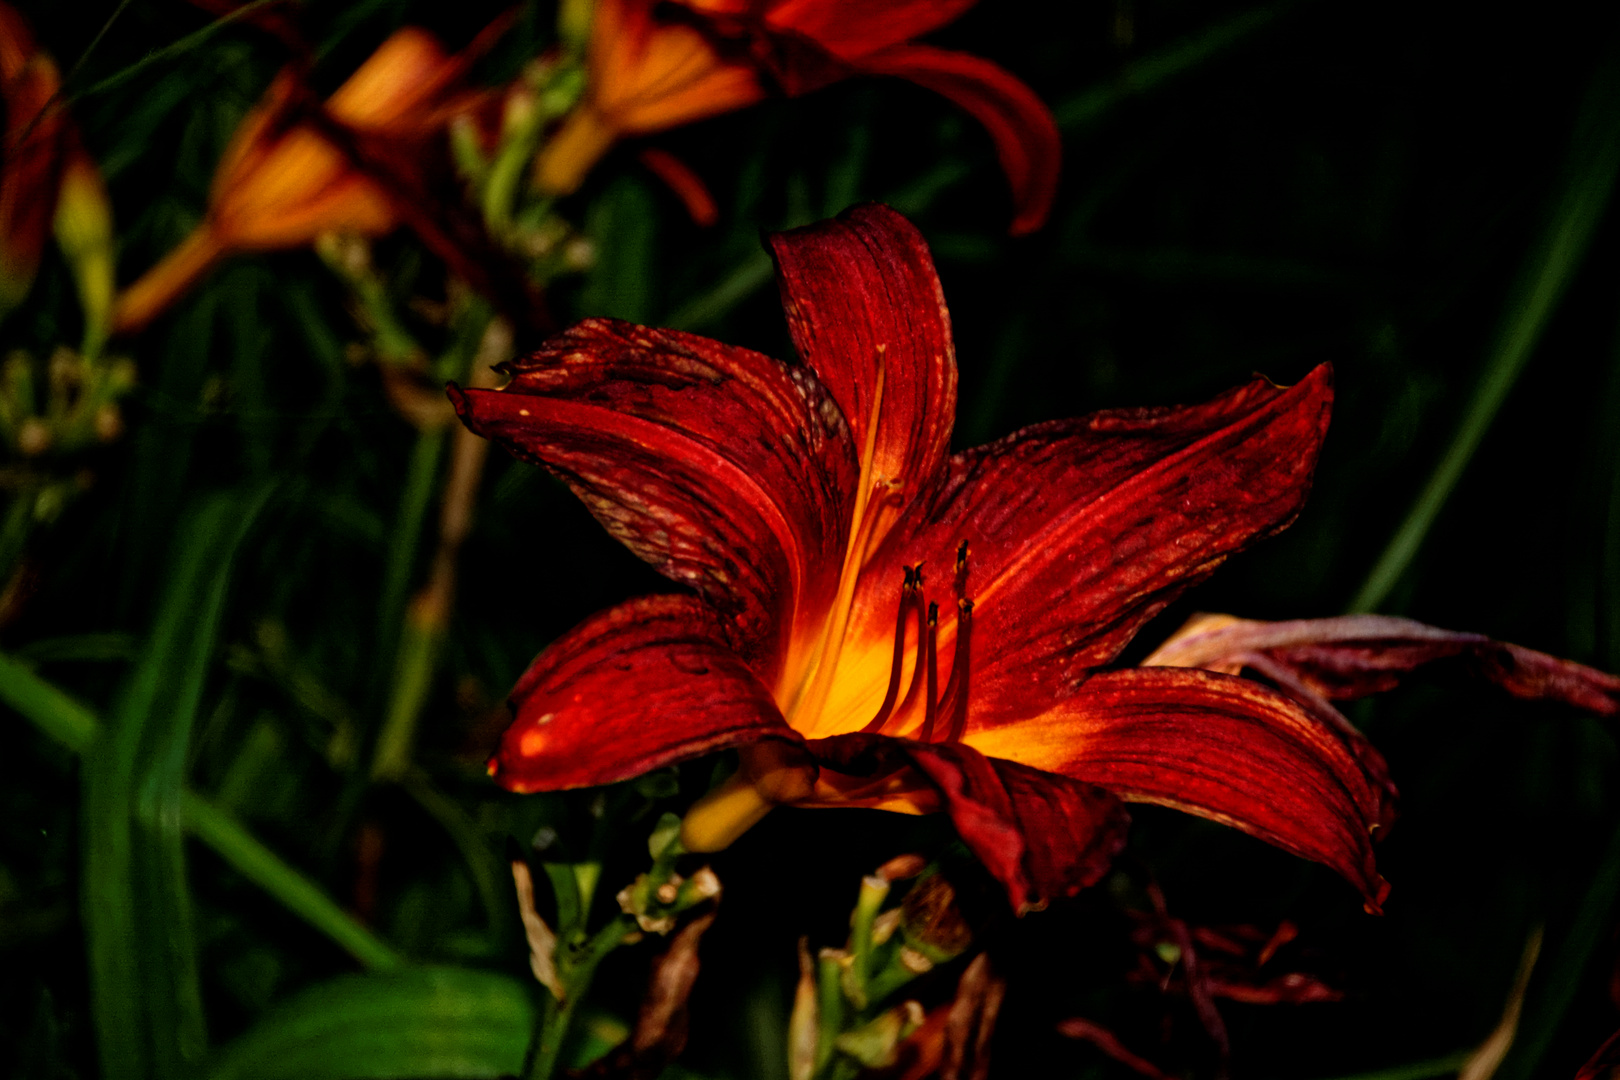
(1042, 836)
(853, 31)
(1026, 137)
(1079, 531)
(643, 685)
(1604, 1061)
(1355, 655)
(726, 470)
(863, 302)
(1221, 747)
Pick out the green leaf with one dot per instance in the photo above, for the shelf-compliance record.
(137, 909)
(422, 1022)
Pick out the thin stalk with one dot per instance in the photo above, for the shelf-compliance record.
(428, 617)
(577, 971)
(1589, 175)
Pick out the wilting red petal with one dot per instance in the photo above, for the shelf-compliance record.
(1078, 1027)
(1042, 836)
(687, 185)
(1355, 655)
(637, 687)
(1079, 531)
(726, 470)
(1026, 137)
(1221, 747)
(867, 313)
(1603, 1062)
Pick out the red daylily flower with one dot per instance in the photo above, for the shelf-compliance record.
(654, 70)
(876, 623)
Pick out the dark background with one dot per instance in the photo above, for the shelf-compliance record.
(1366, 184)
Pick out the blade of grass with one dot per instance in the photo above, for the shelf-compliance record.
(76, 727)
(1580, 945)
(145, 991)
(297, 893)
(1156, 69)
(51, 710)
(173, 49)
(1588, 181)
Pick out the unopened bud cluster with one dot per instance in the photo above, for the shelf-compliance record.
(844, 1017)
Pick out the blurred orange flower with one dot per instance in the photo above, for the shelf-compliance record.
(31, 159)
(288, 176)
(653, 71)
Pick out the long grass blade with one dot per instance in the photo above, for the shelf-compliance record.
(297, 893)
(1589, 176)
(144, 984)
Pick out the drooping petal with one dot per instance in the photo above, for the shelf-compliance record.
(1041, 835)
(1352, 656)
(1221, 747)
(1026, 137)
(1078, 532)
(867, 314)
(643, 685)
(726, 470)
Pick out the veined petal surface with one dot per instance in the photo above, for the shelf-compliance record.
(1079, 531)
(643, 685)
(1218, 746)
(725, 469)
(868, 315)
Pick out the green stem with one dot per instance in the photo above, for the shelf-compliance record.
(577, 971)
(228, 839)
(1593, 161)
(51, 710)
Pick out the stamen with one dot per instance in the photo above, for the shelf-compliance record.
(957, 691)
(908, 592)
(929, 704)
(961, 569)
(919, 672)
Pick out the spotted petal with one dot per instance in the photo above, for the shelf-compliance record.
(640, 686)
(1221, 747)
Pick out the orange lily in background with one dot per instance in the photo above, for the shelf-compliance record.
(48, 180)
(877, 623)
(284, 179)
(653, 70)
(31, 165)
